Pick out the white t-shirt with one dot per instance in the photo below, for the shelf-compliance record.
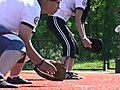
(13, 12)
(67, 8)
(117, 29)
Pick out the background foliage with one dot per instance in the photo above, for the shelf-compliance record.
(100, 23)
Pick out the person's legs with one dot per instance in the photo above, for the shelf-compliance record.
(7, 61)
(12, 48)
(66, 62)
(70, 68)
(15, 71)
(74, 52)
(65, 37)
(58, 27)
(70, 74)
(15, 77)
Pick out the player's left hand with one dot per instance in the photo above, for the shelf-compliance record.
(59, 75)
(86, 42)
(96, 46)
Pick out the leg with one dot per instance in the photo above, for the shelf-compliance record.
(7, 61)
(58, 27)
(11, 50)
(66, 61)
(63, 34)
(15, 71)
(69, 73)
(74, 52)
(70, 68)
(14, 77)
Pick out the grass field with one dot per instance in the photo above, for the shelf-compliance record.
(96, 64)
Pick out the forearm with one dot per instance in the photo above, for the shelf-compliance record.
(79, 24)
(81, 29)
(33, 54)
(26, 35)
(84, 32)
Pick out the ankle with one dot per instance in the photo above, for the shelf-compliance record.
(13, 76)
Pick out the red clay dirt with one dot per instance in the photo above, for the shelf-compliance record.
(91, 81)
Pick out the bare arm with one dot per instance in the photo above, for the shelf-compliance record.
(81, 29)
(26, 35)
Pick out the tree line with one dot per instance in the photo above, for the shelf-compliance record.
(100, 23)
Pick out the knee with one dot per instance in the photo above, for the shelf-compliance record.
(22, 59)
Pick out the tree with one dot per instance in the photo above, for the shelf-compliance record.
(100, 23)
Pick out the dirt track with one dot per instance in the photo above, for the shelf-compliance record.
(92, 81)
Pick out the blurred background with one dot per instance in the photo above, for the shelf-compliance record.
(100, 23)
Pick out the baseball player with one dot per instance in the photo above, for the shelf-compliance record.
(18, 20)
(56, 23)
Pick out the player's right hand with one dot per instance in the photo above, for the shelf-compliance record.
(86, 42)
(48, 67)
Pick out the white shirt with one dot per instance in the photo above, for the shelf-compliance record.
(67, 8)
(117, 29)
(13, 12)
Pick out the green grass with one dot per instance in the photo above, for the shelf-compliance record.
(88, 65)
(96, 64)
(91, 64)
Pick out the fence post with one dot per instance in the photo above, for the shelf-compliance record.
(117, 66)
(104, 65)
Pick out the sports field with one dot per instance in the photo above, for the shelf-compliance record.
(91, 81)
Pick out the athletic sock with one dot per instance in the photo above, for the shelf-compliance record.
(13, 76)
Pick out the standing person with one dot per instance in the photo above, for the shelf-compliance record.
(14, 77)
(56, 23)
(17, 25)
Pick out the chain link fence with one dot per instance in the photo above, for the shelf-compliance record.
(51, 49)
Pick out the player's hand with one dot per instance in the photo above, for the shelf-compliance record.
(86, 42)
(59, 75)
(48, 67)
